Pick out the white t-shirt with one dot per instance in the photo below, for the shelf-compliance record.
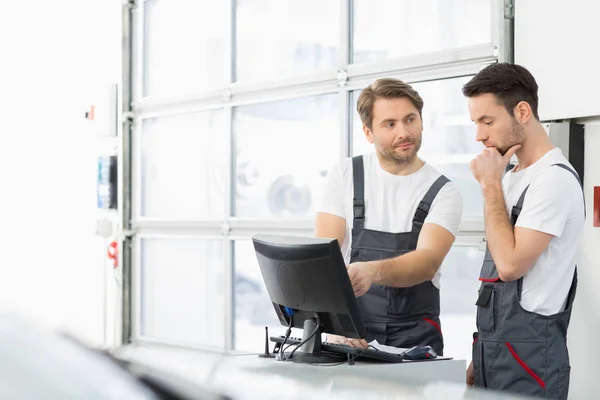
(554, 205)
(390, 200)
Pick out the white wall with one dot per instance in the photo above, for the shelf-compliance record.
(584, 330)
(555, 39)
(53, 54)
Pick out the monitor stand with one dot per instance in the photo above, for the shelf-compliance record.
(310, 352)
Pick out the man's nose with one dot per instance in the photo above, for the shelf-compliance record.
(401, 131)
(481, 134)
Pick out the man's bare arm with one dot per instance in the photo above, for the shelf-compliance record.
(330, 226)
(514, 250)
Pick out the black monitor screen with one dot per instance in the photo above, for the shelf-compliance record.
(308, 275)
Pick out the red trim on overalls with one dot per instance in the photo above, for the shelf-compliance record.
(432, 322)
(529, 371)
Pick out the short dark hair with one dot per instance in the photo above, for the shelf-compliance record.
(510, 83)
(385, 88)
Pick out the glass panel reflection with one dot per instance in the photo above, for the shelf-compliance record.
(396, 28)
(283, 150)
(281, 38)
(182, 290)
(183, 166)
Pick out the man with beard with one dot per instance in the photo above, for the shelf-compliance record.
(395, 218)
(534, 219)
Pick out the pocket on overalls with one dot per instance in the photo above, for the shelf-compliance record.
(477, 358)
(486, 319)
(564, 376)
(399, 300)
(357, 255)
(520, 368)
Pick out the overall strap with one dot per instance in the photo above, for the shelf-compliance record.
(425, 204)
(563, 166)
(516, 210)
(358, 174)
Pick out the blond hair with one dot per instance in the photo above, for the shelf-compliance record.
(385, 88)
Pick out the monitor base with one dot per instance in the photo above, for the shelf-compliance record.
(310, 351)
(308, 358)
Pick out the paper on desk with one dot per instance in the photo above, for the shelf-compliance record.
(387, 349)
(400, 350)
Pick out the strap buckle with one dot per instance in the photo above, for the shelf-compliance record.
(359, 209)
(420, 215)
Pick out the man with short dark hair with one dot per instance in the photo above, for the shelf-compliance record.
(395, 218)
(534, 219)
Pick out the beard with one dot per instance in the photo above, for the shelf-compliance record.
(515, 137)
(404, 157)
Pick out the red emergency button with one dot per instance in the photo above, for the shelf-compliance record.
(113, 253)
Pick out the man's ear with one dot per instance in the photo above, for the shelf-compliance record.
(368, 134)
(522, 112)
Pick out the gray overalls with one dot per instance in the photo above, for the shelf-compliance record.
(401, 317)
(516, 350)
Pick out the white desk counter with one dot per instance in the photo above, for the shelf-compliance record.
(250, 377)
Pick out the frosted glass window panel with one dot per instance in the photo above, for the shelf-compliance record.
(183, 166)
(185, 46)
(448, 137)
(386, 29)
(182, 290)
(283, 38)
(458, 294)
(283, 151)
(253, 309)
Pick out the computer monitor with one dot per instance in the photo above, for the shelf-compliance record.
(307, 281)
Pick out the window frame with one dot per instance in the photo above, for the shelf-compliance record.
(342, 80)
